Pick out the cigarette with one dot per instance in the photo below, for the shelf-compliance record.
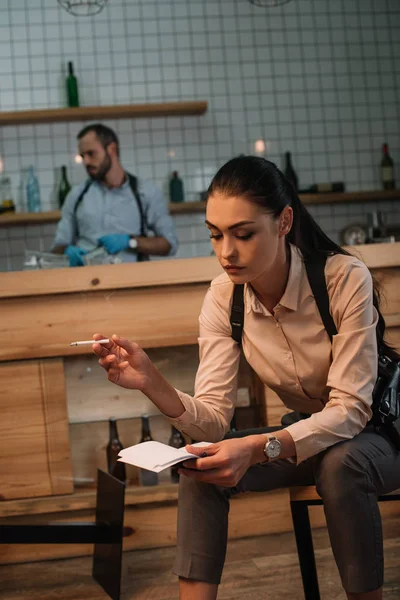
(85, 342)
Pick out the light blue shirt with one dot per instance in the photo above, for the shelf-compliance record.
(103, 211)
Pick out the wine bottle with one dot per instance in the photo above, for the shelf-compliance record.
(176, 441)
(64, 187)
(290, 173)
(72, 87)
(147, 477)
(176, 188)
(387, 176)
(114, 447)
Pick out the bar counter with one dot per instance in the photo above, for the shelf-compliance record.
(55, 400)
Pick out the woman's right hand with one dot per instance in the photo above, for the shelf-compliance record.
(126, 364)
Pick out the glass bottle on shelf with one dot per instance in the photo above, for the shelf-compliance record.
(176, 441)
(72, 86)
(387, 175)
(64, 186)
(6, 196)
(32, 191)
(147, 477)
(290, 173)
(114, 447)
(176, 188)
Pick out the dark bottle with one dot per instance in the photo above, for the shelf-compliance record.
(72, 87)
(114, 447)
(6, 197)
(64, 187)
(387, 175)
(323, 188)
(376, 226)
(176, 188)
(176, 441)
(290, 173)
(147, 477)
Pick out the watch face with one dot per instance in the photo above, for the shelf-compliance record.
(273, 448)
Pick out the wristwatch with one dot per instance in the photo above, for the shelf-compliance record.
(272, 448)
(133, 243)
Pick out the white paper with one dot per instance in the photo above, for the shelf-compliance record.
(156, 456)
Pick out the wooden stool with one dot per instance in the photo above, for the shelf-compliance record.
(300, 499)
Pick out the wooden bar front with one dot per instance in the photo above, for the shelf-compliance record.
(56, 401)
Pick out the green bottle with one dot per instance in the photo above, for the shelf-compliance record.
(64, 187)
(176, 188)
(72, 87)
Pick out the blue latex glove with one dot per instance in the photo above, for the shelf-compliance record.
(75, 254)
(114, 242)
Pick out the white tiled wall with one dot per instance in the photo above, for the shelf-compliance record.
(317, 77)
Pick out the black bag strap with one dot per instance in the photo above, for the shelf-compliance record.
(316, 276)
(133, 183)
(237, 313)
(315, 269)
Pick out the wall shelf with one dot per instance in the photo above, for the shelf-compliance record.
(52, 216)
(121, 111)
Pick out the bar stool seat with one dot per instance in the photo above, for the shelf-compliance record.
(301, 498)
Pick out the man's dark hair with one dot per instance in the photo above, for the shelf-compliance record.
(105, 134)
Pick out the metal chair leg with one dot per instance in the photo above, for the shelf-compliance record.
(305, 549)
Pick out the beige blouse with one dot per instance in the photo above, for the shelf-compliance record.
(291, 353)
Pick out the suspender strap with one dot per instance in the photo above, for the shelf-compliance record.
(237, 313)
(133, 185)
(316, 276)
(315, 269)
(78, 202)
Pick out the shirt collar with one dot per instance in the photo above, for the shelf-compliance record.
(123, 186)
(293, 290)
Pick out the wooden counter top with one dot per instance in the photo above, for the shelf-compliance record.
(155, 303)
(150, 274)
(108, 277)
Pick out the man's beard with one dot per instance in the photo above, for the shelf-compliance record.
(102, 170)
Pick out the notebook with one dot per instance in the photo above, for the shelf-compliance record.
(156, 456)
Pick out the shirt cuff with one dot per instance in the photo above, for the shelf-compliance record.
(185, 420)
(306, 441)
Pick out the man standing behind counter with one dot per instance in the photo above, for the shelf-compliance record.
(112, 209)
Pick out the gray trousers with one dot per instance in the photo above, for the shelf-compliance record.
(349, 476)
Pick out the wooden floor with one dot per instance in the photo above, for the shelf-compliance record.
(256, 569)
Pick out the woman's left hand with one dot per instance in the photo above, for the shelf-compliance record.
(225, 462)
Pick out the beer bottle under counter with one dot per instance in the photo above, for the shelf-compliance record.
(176, 441)
(146, 477)
(114, 447)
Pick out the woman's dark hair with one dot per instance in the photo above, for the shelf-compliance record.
(260, 181)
